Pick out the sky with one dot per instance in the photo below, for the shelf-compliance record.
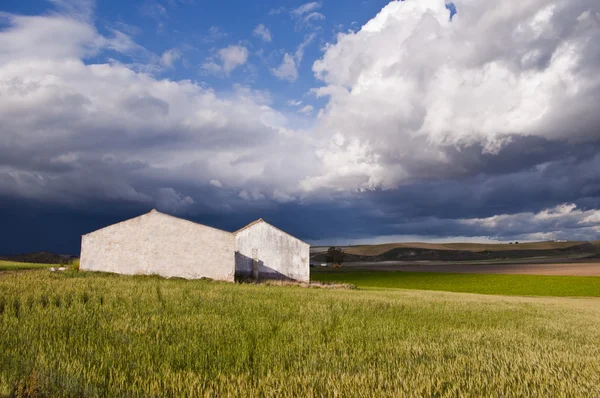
(339, 122)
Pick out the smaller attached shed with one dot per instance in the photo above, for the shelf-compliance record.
(272, 253)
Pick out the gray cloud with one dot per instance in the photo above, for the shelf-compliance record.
(482, 126)
(68, 125)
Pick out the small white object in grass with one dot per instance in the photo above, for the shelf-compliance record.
(62, 269)
(52, 269)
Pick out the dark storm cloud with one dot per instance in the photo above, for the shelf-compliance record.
(490, 129)
(571, 177)
(443, 208)
(520, 153)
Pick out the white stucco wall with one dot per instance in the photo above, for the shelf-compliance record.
(280, 255)
(156, 243)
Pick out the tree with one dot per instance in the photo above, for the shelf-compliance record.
(335, 255)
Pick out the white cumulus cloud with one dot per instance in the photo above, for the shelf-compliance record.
(74, 131)
(229, 58)
(288, 69)
(411, 85)
(307, 109)
(263, 32)
(169, 57)
(564, 221)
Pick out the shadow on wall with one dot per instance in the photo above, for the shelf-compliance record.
(244, 267)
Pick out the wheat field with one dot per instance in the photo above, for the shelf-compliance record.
(82, 334)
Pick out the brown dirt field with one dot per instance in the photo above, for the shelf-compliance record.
(505, 246)
(375, 250)
(573, 269)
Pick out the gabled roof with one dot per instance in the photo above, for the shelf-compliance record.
(260, 220)
(188, 221)
(249, 225)
(154, 211)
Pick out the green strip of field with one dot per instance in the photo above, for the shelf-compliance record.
(513, 285)
(15, 266)
(81, 334)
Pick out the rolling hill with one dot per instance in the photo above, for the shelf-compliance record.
(418, 251)
(40, 258)
(374, 250)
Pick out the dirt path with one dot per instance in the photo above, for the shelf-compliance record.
(576, 269)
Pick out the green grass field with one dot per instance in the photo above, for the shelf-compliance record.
(83, 334)
(514, 285)
(13, 266)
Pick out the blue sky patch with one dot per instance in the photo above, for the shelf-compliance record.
(452, 8)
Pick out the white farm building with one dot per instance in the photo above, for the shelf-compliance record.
(157, 243)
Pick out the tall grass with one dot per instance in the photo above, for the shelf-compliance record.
(81, 334)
